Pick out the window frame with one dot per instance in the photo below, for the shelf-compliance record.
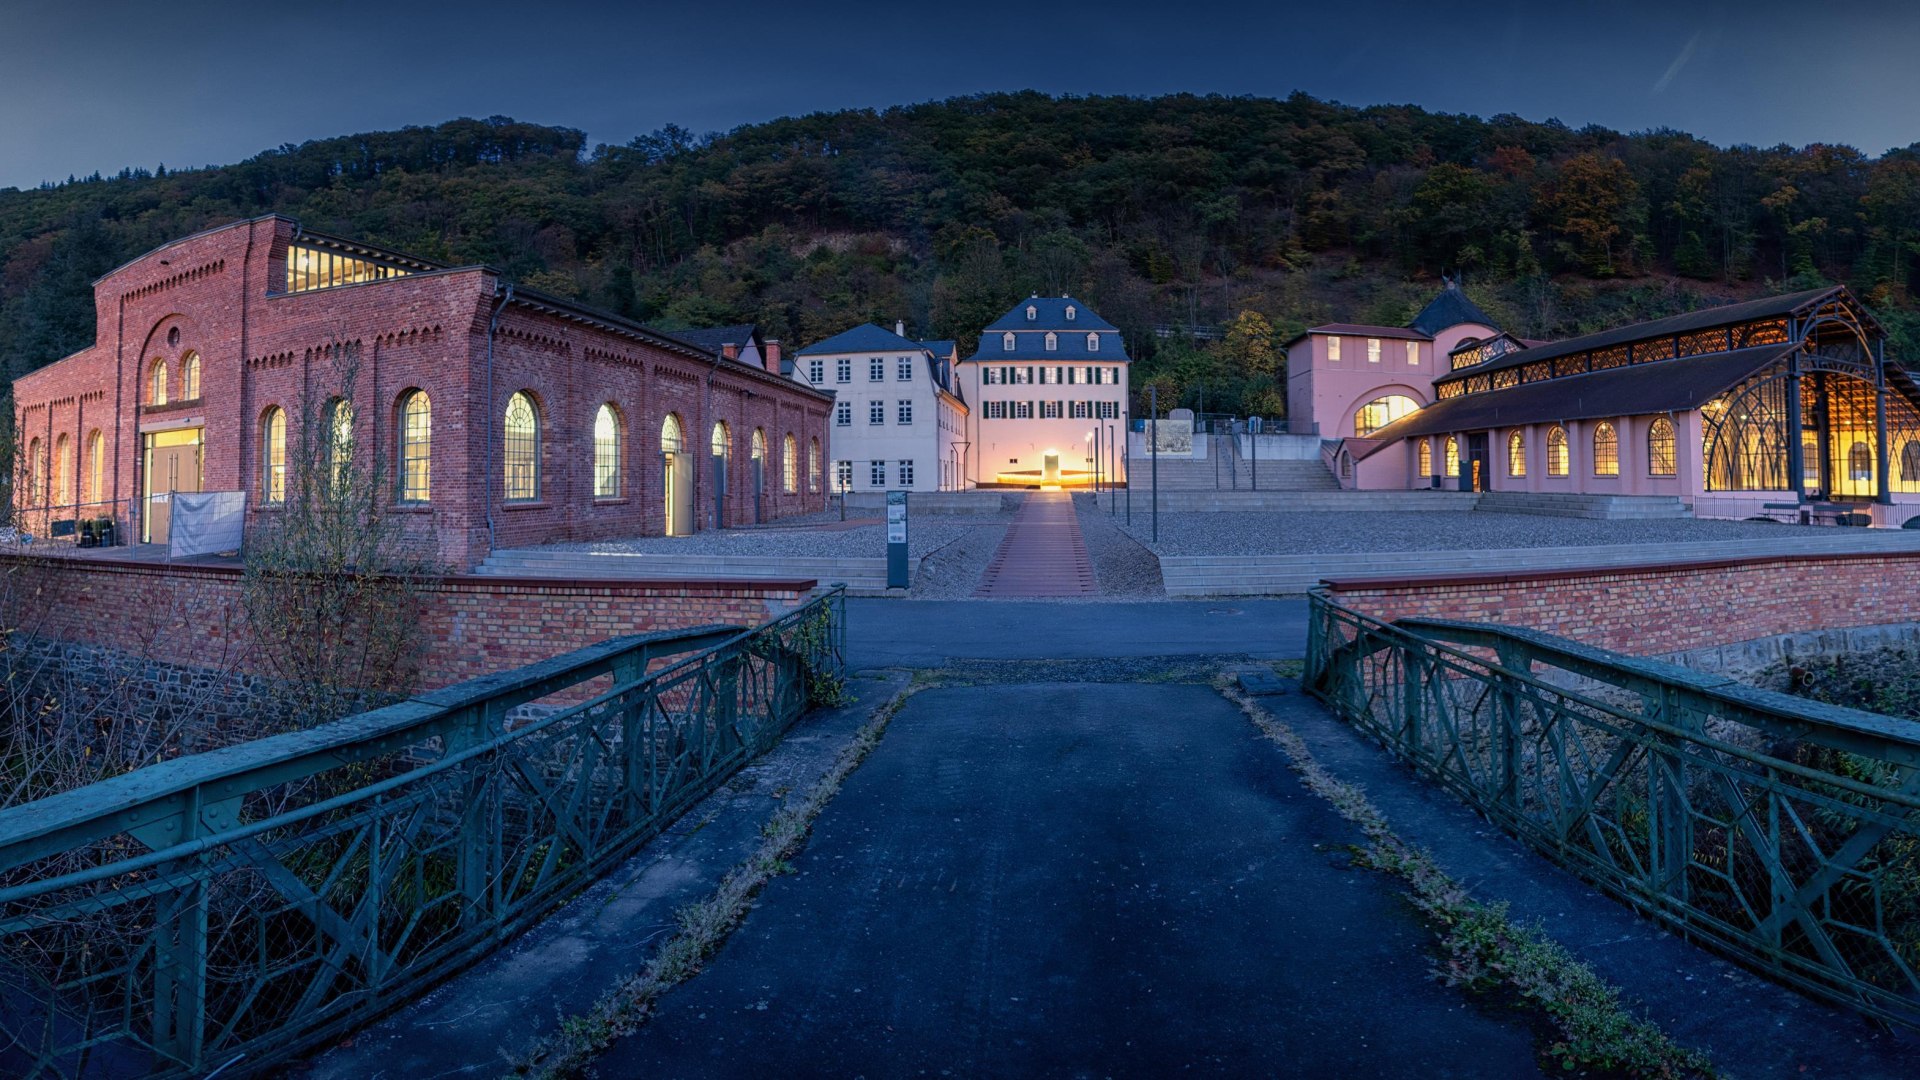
(609, 453)
(404, 431)
(522, 449)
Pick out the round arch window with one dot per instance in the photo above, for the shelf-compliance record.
(1380, 412)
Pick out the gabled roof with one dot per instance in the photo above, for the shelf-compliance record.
(1771, 307)
(1450, 308)
(712, 338)
(1662, 386)
(863, 338)
(1050, 313)
(942, 347)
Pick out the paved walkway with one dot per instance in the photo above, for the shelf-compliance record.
(1043, 553)
(930, 633)
(1133, 886)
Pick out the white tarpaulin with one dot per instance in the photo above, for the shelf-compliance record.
(205, 522)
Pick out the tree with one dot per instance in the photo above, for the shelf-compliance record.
(1591, 204)
(1249, 345)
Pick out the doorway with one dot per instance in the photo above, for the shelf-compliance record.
(1474, 473)
(676, 479)
(172, 462)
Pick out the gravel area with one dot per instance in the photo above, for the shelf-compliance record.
(1123, 569)
(923, 535)
(953, 572)
(1429, 530)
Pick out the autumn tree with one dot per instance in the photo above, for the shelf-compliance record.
(1591, 204)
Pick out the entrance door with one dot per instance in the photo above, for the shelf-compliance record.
(1475, 469)
(173, 463)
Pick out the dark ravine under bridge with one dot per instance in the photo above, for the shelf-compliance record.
(1072, 855)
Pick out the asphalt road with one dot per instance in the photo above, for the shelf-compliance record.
(928, 633)
(1134, 887)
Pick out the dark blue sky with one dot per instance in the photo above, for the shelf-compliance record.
(102, 84)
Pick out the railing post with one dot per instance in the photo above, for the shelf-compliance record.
(480, 838)
(1669, 823)
(1506, 724)
(180, 955)
(1413, 702)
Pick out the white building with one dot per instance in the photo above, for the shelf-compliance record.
(1048, 378)
(899, 420)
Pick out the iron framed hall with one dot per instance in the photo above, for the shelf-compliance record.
(1736, 410)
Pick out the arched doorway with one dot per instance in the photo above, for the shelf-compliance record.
(677, 478)
(759, 475)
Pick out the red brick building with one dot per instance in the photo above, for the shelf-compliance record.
(506, 417)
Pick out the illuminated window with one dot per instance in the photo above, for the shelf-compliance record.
(757, 449)
(339, 414)
(520, 448)
(1373, 350)
(1516, 453)
(1606, 450)
(1380, 412)
(1053, 341)
(1860, 462)
(606, 453)
(1453, 456)
(190, 377)
(1426, 457)
(62, 463)
(311, 268)
(670, 435)
(157, 383)
(1909, 460)
(1413, 354)
(273, 455)
(1660, 447)
(721, 442)
(1333, 348)
(813, 465)
(97, 467)
(416, 447)
(789, 465)
(1556, 451)
(36, 472)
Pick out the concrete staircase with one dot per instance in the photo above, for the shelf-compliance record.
(861, 575)
(1596, 507)
(1333, 501)
(1228, 471)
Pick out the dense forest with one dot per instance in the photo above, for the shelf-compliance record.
(1165, 214)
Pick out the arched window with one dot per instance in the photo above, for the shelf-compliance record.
(1556, 451)
(36, 472)
(273, 455)
(1093, 341)
(757, 446)
(670, 439)
(1453, 456)
(606, 453)
(789, 465)
(721, 444)
(813, 465)
(340, 441)
(416, 447)
(1426, 457)
(520, 448)
(1069, 312)
(1006, 341)
(1660, 447)
(157, 383)
(1380, 412)
(1516, 453)
(1606, 450)
(96, 466)
(62, 492)
(1910, 461)
(190, 377)
(1346, 465)
(1860, 462)
(1053, 341)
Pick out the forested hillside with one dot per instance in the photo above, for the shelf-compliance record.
(1161, 212)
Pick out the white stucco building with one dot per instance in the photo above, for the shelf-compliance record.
(899, 417)
(1048, 377)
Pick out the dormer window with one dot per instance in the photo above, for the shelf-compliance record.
(1032, 313)
(1069, 312)
(1053, 341)
(1093, 341)
(1006, 341)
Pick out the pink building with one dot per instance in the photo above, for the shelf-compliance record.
(1780, 406)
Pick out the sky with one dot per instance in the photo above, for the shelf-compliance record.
(105, 84)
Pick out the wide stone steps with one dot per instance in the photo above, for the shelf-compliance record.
(1305, 502)
(1185, 474)
(1261, 575)
(1593, 507)
(862, 574)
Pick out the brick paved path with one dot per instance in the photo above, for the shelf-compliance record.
(1043, 553)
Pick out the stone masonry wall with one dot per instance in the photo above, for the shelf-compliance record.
(1662, 610)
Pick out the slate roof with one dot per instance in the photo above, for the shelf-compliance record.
(1663, 386)
(941, 347)
(712, 338)
(1032, 348)
(1450, 308)
(1703, 319)
(1050, 313)
(863, 338)
(1399, 333)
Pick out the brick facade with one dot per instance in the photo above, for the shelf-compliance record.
(464, 335)
(1658, 610)
(194, 615)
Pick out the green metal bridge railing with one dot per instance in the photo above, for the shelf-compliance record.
(227, 910)
(1777, 829)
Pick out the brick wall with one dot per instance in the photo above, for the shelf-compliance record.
(193, 615)
(1667, 609)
